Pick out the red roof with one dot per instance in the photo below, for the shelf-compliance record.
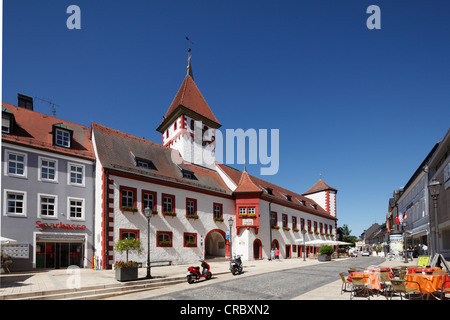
(246, 184)
(319, 186)
(189, 96)
(34, 129)
(249, 183)
(118, 151)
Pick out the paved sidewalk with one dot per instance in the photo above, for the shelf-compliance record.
(35, 281)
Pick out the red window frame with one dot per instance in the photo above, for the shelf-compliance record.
(274, 214)
(121, 231)
(302, 223)
(189, 234)
(214, 209)
(195, 205)
(284, 220)
(309, 225)
(155, 199)
(166, 195)
(294, 222)
(169, 233)
(315, 226)
(134, 190)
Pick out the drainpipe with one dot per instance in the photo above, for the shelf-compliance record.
(270, 230)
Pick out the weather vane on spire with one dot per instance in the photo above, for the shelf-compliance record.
(189, 67)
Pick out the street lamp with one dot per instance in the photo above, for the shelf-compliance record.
(304, 243)
(148, 215)
(433, 188)
(230, 223)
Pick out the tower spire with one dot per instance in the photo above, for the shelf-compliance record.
(189, 66)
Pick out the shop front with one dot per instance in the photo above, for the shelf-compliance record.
(55, 250)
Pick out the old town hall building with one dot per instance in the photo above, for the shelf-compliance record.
(70, 192)
(193, 201)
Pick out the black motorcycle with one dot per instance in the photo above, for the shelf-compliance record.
(236, 265)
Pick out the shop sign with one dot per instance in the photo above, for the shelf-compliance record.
(62, 226)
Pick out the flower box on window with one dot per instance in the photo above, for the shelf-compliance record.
(243, 215)
(190, 244)
(296, 230)
(192, 216)
(275, 227)
(165, 243)
(128, 209)
(286, 228)
(169, 213)
(218, 219)
(252, 215)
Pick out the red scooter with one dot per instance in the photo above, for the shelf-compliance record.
(193, 273)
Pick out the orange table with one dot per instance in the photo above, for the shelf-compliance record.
(371, 278)
(414, 269)
(429, 283)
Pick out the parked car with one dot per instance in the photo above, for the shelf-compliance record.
(365, 253)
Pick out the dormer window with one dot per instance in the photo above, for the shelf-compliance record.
(7, 121)
(287, 196)
(188, 175)
(145, 164)
(301, 201)
(62, 135)
(268, 190)
(186, 172)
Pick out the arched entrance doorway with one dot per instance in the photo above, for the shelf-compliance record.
(216, 245)
(257, 249)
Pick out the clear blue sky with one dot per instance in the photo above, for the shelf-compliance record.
(361, 107)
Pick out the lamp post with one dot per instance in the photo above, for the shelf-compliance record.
(304, 243)
(433, 188)
(230, 223)
(148, 215)
(405, 224)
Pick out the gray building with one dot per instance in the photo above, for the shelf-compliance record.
(439, 170)
(47, 190)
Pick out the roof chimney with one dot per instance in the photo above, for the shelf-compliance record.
(25, 101)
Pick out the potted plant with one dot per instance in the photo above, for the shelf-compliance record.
(126, 271)
(325, 252)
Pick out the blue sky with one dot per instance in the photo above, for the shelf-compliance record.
(361, 107)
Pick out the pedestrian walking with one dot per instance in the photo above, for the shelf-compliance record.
(425, 249)
(272, 254)
(410, 252)
(277, 253)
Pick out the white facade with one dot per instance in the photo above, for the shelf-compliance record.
(193, 139)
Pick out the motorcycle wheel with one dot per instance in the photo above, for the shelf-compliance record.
(234, 271)
(190, 279)
(209, 276)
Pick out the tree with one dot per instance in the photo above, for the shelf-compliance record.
(344, 234)
(128, 244)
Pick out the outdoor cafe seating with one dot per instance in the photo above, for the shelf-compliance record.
(429, 282)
